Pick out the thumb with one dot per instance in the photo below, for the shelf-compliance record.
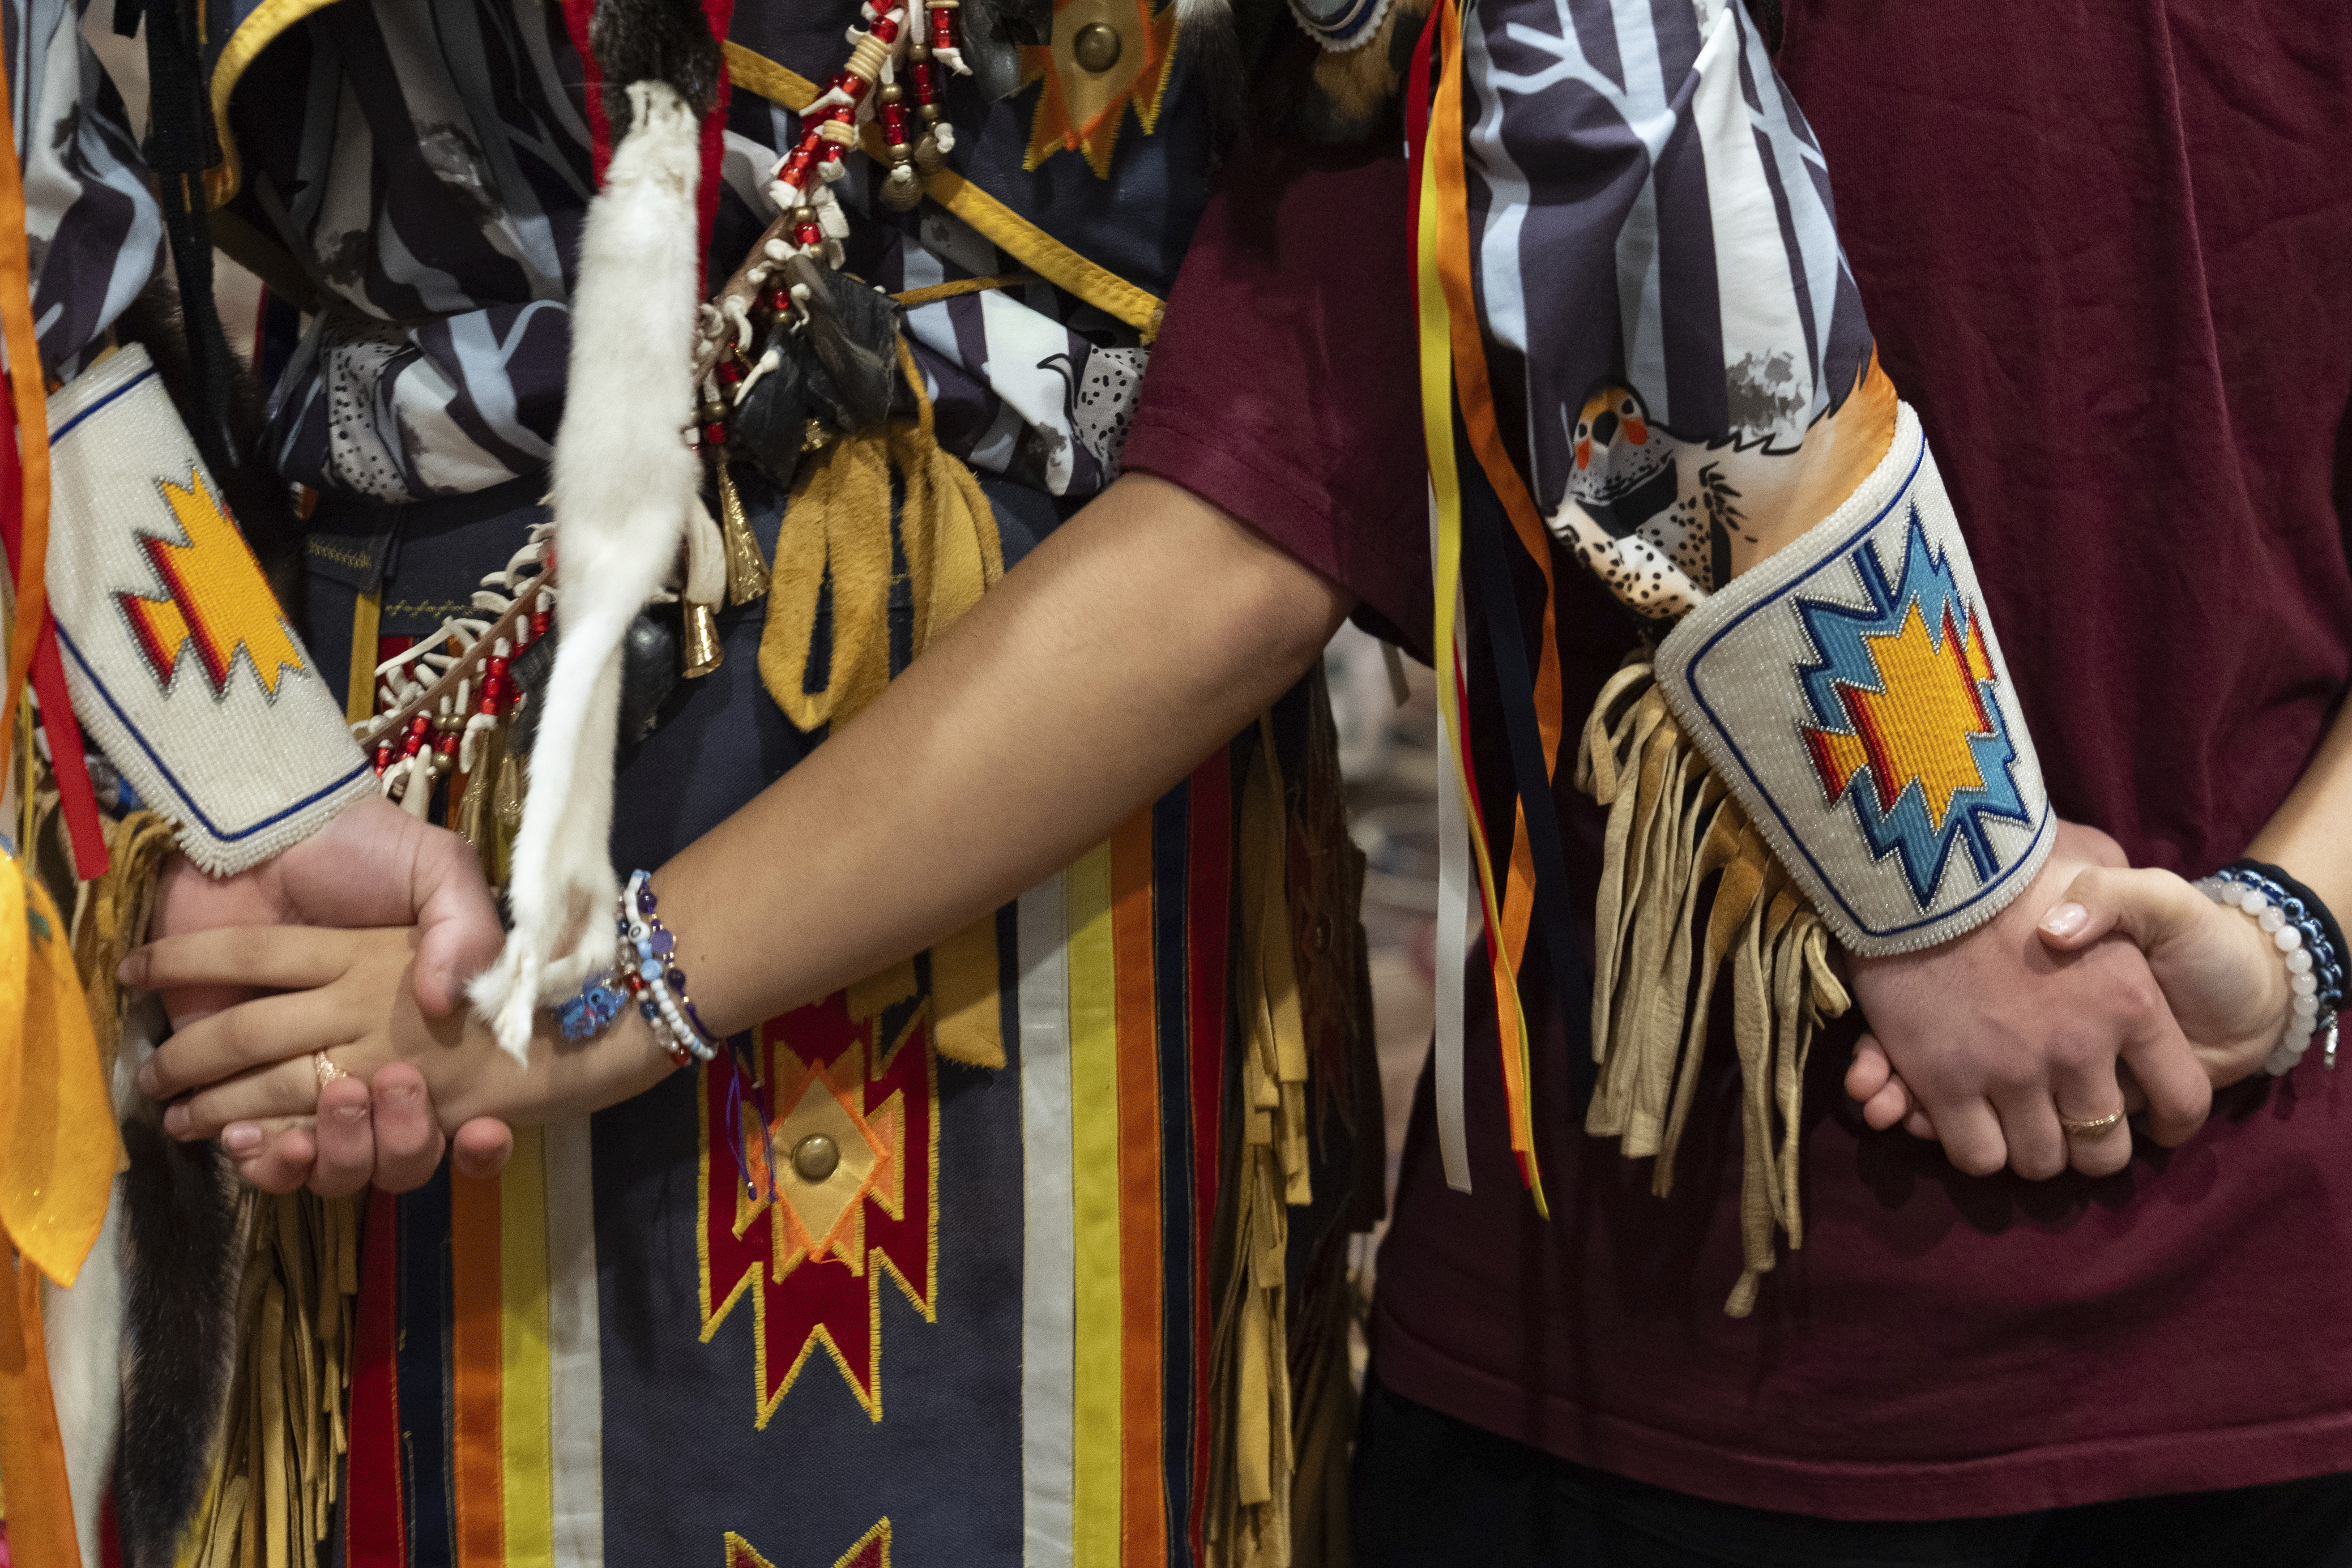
(2149, 906)
(458, 922)
(481, 1148)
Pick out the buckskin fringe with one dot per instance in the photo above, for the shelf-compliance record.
(273, 1493)
(1673, 830)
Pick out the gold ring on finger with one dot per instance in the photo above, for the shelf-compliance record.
(329, 1072)
(2098, 1127)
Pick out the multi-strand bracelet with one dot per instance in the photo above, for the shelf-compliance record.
(645, 970)
(2306, 936)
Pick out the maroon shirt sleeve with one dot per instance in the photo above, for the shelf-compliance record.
(1283, 386)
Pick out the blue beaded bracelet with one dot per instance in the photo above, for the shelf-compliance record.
(645, 970)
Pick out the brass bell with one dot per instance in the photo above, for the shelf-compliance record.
(702, 654)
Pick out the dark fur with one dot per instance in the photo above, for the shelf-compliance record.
(841, 367)
(183, 1260)
(653, 40)
(261, 504)
(1357, 98)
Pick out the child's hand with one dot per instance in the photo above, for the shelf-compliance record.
(2220, 974)
(347, 998)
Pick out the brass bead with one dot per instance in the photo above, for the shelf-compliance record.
(815, 1158)
(893, 93)
(1096, 46)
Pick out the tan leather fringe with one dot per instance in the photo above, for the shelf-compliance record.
(1674, 832)
(1250, 1469)
(869, 515)
(112, 920)
(274, 1483)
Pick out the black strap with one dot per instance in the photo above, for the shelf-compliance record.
(1485, 554)
(181, 145)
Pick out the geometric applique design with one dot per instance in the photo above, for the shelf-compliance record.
(1906, 725)
(213, 596)
(810, 1243)
(1081, 110)
(872, 1551)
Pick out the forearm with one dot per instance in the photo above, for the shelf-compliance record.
(2310, 834)
(1138, 636)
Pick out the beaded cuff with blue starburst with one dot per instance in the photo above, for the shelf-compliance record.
(2303, 931)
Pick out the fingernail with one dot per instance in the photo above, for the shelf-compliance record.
(353, 1113)
(147, 1080)
(2065, 919)
(398, 1093)
(175, 1120)
(242, 1139)
(132, 969)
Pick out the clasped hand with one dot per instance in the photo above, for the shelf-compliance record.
(2100, 989)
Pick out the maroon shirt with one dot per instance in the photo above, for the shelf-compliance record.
(2108, 251)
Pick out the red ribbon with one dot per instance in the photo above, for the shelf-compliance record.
(84, 829)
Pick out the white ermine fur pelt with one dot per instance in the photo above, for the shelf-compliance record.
(626, 485)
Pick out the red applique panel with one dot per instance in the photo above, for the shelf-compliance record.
(853, 1193)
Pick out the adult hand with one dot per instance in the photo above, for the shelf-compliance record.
(1988, 1041)
(374, 865)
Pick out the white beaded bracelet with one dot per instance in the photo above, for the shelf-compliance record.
(2315, 979)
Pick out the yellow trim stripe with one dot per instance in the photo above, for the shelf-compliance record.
(524, 1413)
(755, 72)
(1093, 1179)
(252, 35)
(1001, 227)
(359, 692)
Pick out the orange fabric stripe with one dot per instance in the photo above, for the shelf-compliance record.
(1448, 320)
(40, 1529)
(1476, 394)
(1142, 1491)
(475, 1363)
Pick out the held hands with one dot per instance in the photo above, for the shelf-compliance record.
(350, 997)
(2189, 995)
(374, 865)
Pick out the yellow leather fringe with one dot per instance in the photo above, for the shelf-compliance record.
(274, 1485)
(112, 920)
(871, 518)
(1248, 1516)
(1673, 830)
(877, 521)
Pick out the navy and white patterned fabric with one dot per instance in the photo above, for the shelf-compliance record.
(427, 168)
(92, 227)
(1670, 323)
